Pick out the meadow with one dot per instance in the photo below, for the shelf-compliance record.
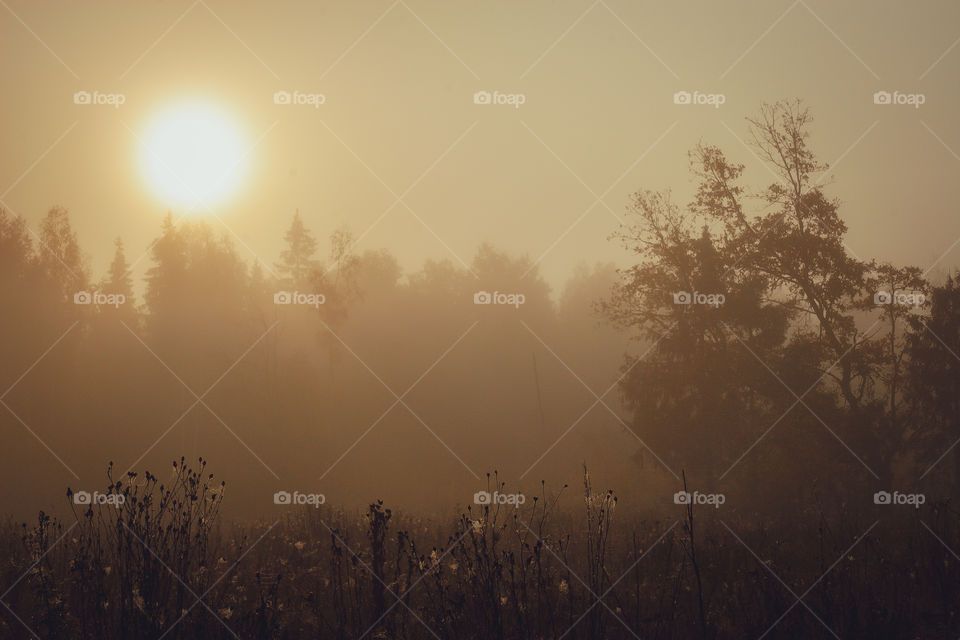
(165, 565)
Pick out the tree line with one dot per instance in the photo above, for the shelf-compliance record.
(745, 343)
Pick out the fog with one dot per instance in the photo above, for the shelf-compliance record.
(381, 384)
(498, 320)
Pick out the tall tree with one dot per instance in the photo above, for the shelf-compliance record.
(296, 261)
(932, 377)
(695, 392)
(899, 293)
(18, 290)
(198, 297)
(16, 247)
(167, 277)
(118, 279)
(800, 245)
(338, 284)
(785, 267)
(59, 256)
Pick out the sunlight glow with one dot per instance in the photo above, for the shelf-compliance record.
(193, 156)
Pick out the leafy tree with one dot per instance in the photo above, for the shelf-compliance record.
(60, 258)
(932, 378)
(16, 247)
(694, 389)
(796, 242)
(894, 290)
(377, 272)
(338, 283)
(793, 310)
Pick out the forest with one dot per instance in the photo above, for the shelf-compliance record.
(748, 431)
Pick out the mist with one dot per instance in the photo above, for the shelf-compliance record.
(545, 321)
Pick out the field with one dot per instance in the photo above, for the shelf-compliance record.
(164, 566)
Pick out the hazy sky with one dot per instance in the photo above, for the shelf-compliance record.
(598, 80)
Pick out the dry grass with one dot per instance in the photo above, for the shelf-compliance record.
(141, 571)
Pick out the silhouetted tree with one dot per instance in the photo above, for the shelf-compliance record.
(796, 242)
(932, 378)
(59, 256)
(198, 298)
(296, 261)
(793, 295)
(19, 278)
(16, 247)
(695, 390)
(118, 279)
(167, 277)
(894, 291)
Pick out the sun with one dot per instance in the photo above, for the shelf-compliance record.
(193, 156)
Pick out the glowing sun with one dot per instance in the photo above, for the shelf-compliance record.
(193, 156)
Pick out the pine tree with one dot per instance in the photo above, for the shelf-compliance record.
(296, 261)
(168, 275)
(119, 280)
